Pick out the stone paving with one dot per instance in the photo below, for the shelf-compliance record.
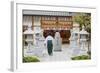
(64, 55)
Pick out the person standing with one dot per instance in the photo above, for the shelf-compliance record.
(49, 44)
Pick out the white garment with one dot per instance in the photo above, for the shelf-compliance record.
(48, 38)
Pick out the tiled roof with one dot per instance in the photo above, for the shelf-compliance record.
(51, 13)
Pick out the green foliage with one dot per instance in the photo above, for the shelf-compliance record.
(82, 57)
(84, 19)
(30, 59)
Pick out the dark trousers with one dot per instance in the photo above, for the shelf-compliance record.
(50, 47)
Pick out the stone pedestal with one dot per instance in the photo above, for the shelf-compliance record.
(57, 42)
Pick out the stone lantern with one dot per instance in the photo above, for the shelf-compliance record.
(74, 45)
(38, 42)
(29, 32)
(83, 38)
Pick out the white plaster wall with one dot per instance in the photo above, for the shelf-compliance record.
(37, 23)
(37, 20)
(27, 20)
